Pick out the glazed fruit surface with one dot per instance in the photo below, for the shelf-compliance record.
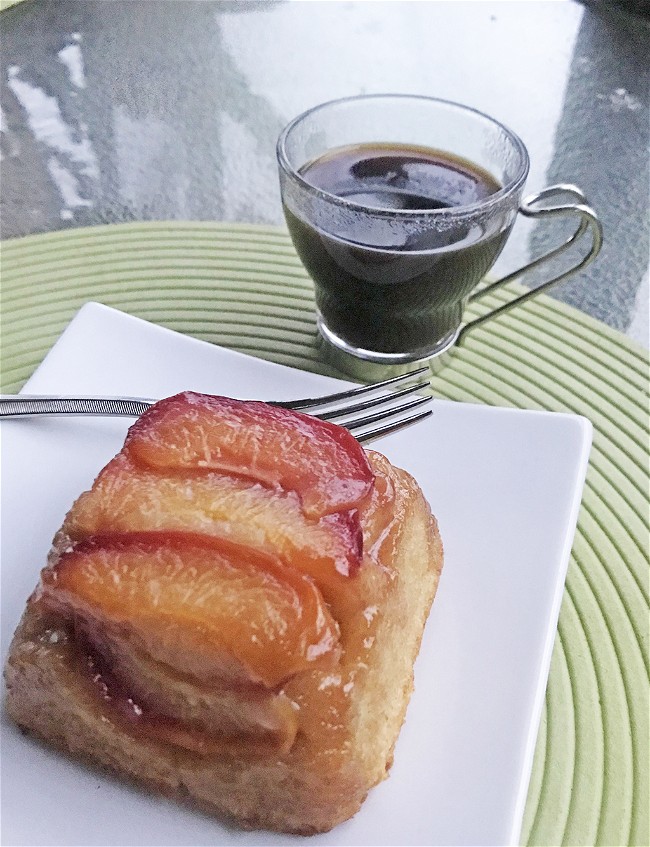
(228, 551)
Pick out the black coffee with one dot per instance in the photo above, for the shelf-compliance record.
(377, 288)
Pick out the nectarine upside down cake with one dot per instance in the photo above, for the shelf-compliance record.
(231, 614)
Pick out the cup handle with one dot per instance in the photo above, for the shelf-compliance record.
(587, 219)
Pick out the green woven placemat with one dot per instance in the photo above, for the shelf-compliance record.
(6, 4)
(243, 287)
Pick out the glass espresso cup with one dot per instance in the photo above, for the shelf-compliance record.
(398, 206)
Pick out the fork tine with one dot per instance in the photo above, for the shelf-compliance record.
(340, 411)
(384, 414)
(22, 405)
(387, 429)
(314, 402)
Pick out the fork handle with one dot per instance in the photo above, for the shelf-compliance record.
(19, 405)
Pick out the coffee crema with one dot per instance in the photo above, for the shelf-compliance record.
(396, 176)
(363, 273)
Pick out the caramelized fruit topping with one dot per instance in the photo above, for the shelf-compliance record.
(266, 719)
(323, 463)
(213, 561)
(205, 607)
(126, 498)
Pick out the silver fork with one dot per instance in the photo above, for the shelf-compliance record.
(385, 399)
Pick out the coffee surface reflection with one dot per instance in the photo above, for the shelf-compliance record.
(368, 273)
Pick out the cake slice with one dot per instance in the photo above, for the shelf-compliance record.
(232, 613)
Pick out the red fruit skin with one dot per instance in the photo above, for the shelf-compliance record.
(222, 721)
(322, 462)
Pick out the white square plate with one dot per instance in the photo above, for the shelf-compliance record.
(506, 487)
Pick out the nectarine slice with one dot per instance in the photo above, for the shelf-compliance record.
(211, 610)
(323, 463)
(167, 706)
(127, 498)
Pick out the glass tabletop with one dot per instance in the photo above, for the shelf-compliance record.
(170, 110)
